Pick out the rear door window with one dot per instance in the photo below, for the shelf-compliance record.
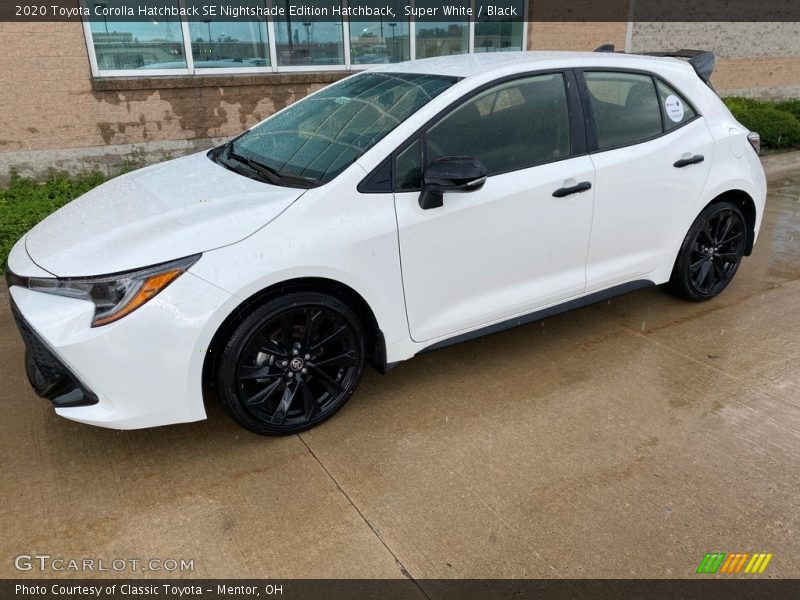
(625, 107)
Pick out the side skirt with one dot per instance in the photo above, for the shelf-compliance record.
(593, 298)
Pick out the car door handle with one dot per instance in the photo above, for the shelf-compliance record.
(685, 162)
(575, 189)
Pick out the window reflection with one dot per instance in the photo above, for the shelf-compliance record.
(441, 38)
(498, 36)
(306, 41)
(220, 43)
(383, 41)
(500, 33)
(137, 45)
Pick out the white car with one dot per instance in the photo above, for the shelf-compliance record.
(399, 210)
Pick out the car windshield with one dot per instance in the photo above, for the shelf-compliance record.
(319, 137)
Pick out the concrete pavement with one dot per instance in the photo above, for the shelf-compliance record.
(626, 439)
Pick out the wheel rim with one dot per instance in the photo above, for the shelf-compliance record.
(716, 252)
(297, 367)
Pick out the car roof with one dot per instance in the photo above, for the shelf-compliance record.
(466, 65)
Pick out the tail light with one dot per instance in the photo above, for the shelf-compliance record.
(755, 141)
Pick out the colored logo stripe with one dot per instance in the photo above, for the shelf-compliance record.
(758, 563)
(734, 562)
(711, 563)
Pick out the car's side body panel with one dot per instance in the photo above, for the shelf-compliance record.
(507, 248)
(333, 233)
(642, 202)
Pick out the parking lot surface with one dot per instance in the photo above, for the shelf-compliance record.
(626, 439)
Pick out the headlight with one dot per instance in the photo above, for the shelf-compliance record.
(114, 296)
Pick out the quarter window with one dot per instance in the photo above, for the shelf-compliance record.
(676, 110)
(625, 108)
(511, 126)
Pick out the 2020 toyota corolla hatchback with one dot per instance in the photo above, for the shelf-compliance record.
(398, 210)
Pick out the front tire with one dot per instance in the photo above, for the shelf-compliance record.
(291, 363)
(710, 254)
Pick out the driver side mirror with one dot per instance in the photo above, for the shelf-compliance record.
(450, 174)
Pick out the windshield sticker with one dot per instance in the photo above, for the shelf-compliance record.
(674, 108)
(342, 100)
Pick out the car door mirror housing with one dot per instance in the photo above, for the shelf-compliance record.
(450, 174)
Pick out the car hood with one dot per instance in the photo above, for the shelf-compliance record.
(167, 211)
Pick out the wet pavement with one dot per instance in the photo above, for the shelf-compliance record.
(624, 439)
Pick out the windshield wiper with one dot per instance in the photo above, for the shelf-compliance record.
(273, 175)
(219, 157)
(266, 173)
(269, 174)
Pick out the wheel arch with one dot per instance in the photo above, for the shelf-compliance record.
(747, 205)
(376, 345)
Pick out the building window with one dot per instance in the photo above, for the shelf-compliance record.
(382, 41)
(136, 45)
(288, 43)
(306, 41)
(442, 38)
(498, 36)
(218, 44)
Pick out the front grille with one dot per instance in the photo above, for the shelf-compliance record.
(48, 376)
(48, 364)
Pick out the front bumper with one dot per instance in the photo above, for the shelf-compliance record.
(48, 376)
(144, 370)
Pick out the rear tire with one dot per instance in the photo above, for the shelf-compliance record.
(291, 364)
(710, 253)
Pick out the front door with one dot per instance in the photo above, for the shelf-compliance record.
(512, 246)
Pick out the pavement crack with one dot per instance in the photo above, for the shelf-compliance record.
(372, 528)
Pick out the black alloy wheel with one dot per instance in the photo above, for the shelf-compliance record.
(291, 364)
(710, 254)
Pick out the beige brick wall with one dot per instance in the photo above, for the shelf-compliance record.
(575, 36)
(753, 59)
(771, 77)
(545, 33)
(725, 39)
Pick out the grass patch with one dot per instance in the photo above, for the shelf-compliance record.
(777, 123)
(24, 202)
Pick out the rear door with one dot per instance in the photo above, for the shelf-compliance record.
(651, 151)
(511, 246)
